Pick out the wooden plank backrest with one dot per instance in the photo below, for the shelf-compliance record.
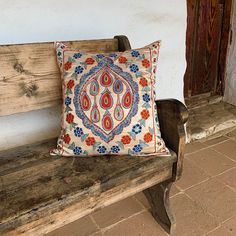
(29, 75)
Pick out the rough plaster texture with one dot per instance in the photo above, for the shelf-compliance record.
(49, 20)
(230, 83)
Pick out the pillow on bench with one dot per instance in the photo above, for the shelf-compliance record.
(109, 103)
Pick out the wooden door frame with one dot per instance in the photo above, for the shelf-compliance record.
(225, 41)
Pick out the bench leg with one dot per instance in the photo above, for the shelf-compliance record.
(158, 197)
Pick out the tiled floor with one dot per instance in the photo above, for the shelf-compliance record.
(204, 200)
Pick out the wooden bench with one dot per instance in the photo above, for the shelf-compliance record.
(38, 192)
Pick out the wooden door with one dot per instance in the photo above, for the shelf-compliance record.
(206, 46)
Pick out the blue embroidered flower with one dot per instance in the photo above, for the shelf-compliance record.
(135, 53)
(78, 132)
(146, 97)
(77, 55)
(113, 55)
(137, 129)
(137, 148)
(115, 149)
(77, 150)
(134, 68)
(67, 101)
(101, 149)
(99, 56)
(79, 69)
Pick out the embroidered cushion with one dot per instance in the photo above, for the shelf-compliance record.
(109, 103)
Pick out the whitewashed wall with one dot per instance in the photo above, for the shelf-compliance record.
(230, 83)
(49, 20)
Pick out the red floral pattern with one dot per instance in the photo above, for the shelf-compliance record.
(89, 61)
(67, 65)
(90, 141)
(145, 114)
(69, 118)
(70, 84)
(147, 137)
(66, 138)
(146, 63)
(143, 81)
(126, 139)
(122, 60)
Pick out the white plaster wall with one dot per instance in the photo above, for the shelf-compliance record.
(230, 83)
(50, 20)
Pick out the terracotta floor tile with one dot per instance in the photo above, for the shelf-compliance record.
(193, 147)
(228, 228)
(227, 148)
(140, 225)
(116, 212)
(216, 198)
(81, 227)
(215, 141)
(228, 178)
(192, 175)
(191, 219)
(210, 161)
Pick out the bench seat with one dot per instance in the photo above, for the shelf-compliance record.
(36, 189)
(40, 193)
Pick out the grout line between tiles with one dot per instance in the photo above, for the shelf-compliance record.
(215, 143)
(186, 154)
(223, 154)
(139, 202)
(94, 221)
(213, 230)
(208, 179)
(99, 231)
(194, 185)
(118, 222)
(221, 225)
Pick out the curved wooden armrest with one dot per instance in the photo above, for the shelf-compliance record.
(173, 107)
(172, 115)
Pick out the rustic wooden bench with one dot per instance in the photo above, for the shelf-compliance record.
(38, 192)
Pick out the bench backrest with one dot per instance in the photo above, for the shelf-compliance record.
(29, 75)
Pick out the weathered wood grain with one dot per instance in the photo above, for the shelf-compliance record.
(192, 7)
(158, 197)
(39, 193)
(206, 47)
(49, 185)
(172, 116)
(123, 43)
(29, 75)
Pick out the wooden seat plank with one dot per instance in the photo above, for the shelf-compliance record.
(42, 184)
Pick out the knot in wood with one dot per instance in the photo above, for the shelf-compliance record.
(18, 67)
(29, 90)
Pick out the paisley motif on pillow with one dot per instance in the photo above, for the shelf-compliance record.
(109, 103)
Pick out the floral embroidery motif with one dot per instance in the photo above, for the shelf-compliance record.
(109, 103)
(95, 105)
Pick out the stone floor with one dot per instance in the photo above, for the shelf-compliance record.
(204, 200)
(210, 119)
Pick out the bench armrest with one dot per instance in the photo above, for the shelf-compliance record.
(172, 115)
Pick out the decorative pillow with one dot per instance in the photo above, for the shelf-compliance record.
(109, 103)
